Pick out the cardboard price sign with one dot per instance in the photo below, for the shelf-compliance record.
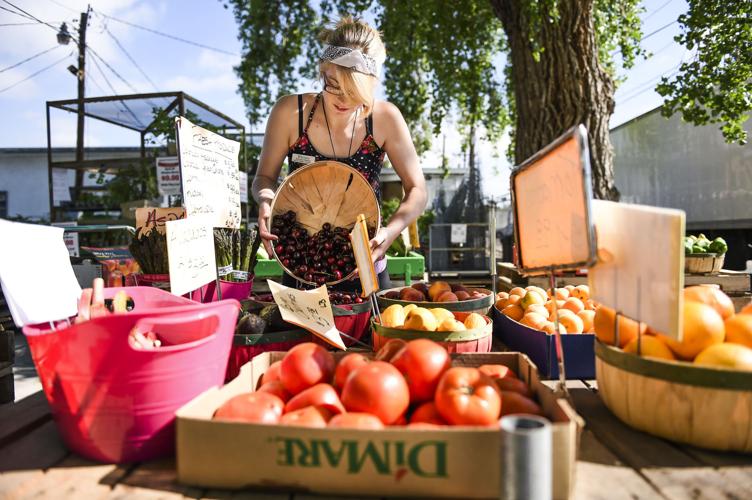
(168, 175)
(209, 174)
(149, 218)
(642, 281)
(551, 195)
(190, 251)
(363, 259)
(309, 309)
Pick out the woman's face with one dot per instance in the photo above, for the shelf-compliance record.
(339, 100)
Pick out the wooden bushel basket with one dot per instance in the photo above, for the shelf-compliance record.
(703, 263)
(465, 341)
(326, 191)
(697, 405)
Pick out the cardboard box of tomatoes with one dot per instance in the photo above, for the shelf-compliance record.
(358, 459)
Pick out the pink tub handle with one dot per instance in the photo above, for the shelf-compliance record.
(178, 332)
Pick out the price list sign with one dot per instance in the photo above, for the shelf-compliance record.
(209, 174)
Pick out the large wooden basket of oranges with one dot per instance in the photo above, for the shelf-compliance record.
(698, 391)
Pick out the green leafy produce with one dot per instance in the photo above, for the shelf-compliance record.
(718, 246)
(702, 245)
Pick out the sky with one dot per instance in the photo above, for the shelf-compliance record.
(165, 64)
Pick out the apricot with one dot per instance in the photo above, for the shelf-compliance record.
(581, 292)
(518, 291)
(587, 318)
(450, 325)
(561, 293)
(537, 289)
(538, 309)
(532, 297)
(550, 328)
(572, 323)
(574, 304)
(513, 311)
(534, 321)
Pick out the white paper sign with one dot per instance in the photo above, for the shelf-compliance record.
(640, 269)
(70, 238)
(209, 174)
(190, 252)
(459, 234)
(168, 175)
(363, 258)
(243, 187)
(309, 309)
(62, 179)
(37, 277)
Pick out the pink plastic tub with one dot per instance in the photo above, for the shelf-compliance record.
(116, 403)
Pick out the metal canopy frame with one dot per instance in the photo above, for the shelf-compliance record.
(178, 100)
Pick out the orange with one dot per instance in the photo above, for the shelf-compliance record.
(513, 311)
(703, 327)
(604, 323)
(711, 296)
(739, 329)
(734, 356)
(574, 304)
(651, 347)
(746, 309)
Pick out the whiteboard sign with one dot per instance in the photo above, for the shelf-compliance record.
(363, 259)
(459, 234)
(640, 269)
(551, 195)
(243, 187)
(209, 174)
(190, 253)
(309, 309)
(168, 176)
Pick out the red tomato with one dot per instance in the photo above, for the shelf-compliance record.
(306, 365)
(271, 373)
(255, 407)
(422, 362)
(346, 366)
(497, 371)
(275, 387)
(356, 420)
(388, 350)
(514, 385)
(310, 416)
(322, 395)
(427, 414)
(514, 402)
(466, 396)
(377, 388)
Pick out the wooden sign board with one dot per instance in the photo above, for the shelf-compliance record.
(209, 174)
(551, 195)
(363, 259)
(309, 309)
(190, 252)
(640, 269)
(148, 218)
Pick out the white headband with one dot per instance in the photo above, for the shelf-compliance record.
(350, 58)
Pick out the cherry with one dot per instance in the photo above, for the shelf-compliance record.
(279, 249)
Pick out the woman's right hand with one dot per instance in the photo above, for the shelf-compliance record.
(265, 212)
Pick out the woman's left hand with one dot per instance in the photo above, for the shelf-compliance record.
(380, 244)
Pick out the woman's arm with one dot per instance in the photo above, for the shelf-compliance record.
(276, 144)
(401, 151)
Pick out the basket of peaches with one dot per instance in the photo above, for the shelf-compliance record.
(534, 307)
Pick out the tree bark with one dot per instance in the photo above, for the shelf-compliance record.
(566, 87)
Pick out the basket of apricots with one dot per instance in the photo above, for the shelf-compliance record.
(696, 391)
(457, 331)
(535, 308)
(454, 297)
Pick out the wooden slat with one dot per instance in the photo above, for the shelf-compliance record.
(729, 281)
(245, 495)
(156, 479)
(21, 417)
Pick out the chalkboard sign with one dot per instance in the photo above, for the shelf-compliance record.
(209, 174)
(551, 196)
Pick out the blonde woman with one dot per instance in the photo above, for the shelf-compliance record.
(346, 123)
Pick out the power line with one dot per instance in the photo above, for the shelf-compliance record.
(18, 24)
(648, 17)
(132, 60)
(172, 37)
(659, 30)
(113, 70)
(63, 6)
(29, 58)
(35, 73)
(27, 14)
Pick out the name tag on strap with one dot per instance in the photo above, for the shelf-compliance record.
(303, 159)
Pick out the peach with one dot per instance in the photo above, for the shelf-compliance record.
(437, 289)
(518, 291)
(409, 307)
(441, 314)
(538, 309)
(462, 295)
(421, 287)
(502, 295)
(421, 319)
(411, 295)
(393, 316)
(446, 297)
(561, 294)
(474, 320)
(392, 294)
(574, 304)
(457, 288)
(450, 325)
(513, 311)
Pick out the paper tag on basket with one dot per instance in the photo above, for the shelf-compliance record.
(363, 258)
(309, 309)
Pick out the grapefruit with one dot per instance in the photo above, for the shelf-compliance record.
(651, 347)
(604, 323)
(711, 296)
(734, 356)
(703, 327)
(739, 329)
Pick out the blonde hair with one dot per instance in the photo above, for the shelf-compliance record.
(354, 34)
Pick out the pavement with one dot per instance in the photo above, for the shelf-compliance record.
(24, 374)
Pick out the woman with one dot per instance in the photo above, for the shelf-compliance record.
(343, 123)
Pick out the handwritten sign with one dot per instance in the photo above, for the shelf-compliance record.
(209, 174)
(243, 187)
(62, 180)
(642, 281)
(458, 234)
(190, 252)
(148, 218)
(363, 258)
(168, 175)
(309, 309)
(551, 195)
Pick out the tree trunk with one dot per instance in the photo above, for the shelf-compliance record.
(566, 87)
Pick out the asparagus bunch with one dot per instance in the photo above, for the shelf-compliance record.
(150, 251)
(236, 253)
(223, 252)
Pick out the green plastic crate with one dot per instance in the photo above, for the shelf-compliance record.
(267, 268)
(406, 267)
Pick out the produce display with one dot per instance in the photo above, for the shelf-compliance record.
(534, 308)
(438, 319)
(714, 335)
(236, 253)
(409, 384)
(438, 291)
(702, 245)
(324, 257)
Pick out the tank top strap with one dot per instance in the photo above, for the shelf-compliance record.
(300, 115)
(313, 110)
(369, 124)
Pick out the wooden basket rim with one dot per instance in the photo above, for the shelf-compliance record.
(460, 336)
(486, 301)
(681, 372)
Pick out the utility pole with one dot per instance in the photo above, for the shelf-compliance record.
(81, 94)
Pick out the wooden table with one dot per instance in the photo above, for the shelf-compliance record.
(615, 462)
